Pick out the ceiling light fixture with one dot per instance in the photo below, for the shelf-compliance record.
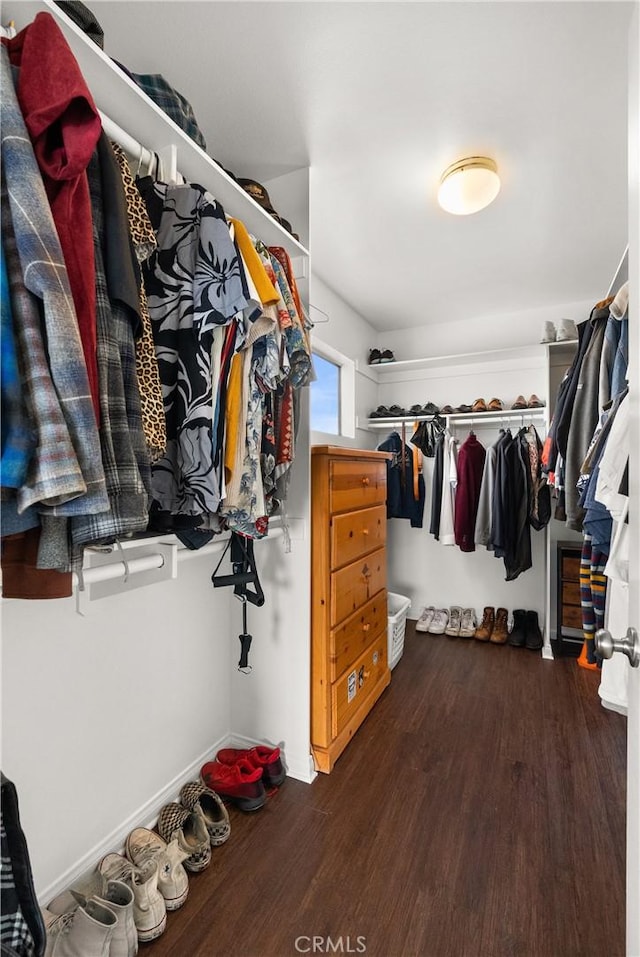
(469, 185)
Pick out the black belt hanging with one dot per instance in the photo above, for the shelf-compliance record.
(244, 573)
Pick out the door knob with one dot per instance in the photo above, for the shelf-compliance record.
(629, 645)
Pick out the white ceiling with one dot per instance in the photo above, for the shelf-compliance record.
(378, 98)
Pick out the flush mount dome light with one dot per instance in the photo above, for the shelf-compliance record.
(469, 185)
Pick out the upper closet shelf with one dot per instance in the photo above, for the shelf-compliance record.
(538, 351)
(130, 108)
(489, 419)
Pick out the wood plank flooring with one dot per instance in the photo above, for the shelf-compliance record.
(478, 812)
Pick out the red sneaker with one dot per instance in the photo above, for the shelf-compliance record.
(268, 759)
(241, 785)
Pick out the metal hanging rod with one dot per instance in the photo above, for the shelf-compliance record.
(465, 418)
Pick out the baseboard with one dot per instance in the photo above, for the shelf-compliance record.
(145, 816)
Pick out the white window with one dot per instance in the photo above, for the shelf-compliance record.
(333, 392)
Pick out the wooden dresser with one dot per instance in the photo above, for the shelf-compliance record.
(569, 634)
(349, 668)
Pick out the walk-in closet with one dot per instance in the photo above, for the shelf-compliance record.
(319, 469)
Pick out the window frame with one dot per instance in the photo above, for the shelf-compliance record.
(346, 388)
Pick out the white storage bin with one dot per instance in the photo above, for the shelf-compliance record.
(397, 610)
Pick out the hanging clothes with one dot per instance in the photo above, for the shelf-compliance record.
(449, 483)
(471, 458)
(436, 486)
(482, 533)
(401, 500)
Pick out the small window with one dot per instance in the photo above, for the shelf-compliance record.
(332, 392)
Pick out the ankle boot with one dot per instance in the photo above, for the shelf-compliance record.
(534, 636)
(500, 631)
(86, 930)
(483, 633)
(149, 909)
(518, 635)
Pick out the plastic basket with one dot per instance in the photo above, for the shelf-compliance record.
(397, 610)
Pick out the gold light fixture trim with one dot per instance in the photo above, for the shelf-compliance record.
(469, 185)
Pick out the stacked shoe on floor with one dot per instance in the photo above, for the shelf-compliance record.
(459, 622)
(243, 776)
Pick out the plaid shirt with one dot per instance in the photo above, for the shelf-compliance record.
(65, 471)
(124, 452)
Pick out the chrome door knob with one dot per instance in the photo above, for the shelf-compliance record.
(629, 645)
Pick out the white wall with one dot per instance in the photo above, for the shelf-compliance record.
(102, 713)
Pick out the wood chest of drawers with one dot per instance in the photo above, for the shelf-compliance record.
(569, 634)
(349, 667)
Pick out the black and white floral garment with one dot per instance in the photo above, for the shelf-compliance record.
(194, 284)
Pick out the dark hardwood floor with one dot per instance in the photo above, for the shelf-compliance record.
(478, 812)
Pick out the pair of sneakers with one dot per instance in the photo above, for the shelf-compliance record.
(457, 622)
(100, 922)
(244, 776)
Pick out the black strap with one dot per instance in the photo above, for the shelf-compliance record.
(244, 573)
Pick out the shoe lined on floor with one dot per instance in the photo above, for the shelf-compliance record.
(117, 897)
(213, 810)
(261, 757)
(468, 623)
(533, 640)
(143, 845)
(483, 633)
(500, 631)
(149, 909)
(174, 821)
(86, 930)
(425, 619)
(235, 783)
(452, 628)
(518, 635)
(439, 621)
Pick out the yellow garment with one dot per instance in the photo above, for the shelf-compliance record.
(235, 416)
(252, 260)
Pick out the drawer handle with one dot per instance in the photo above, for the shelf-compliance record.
(366, 675)
(365, 480)
(365, 531)
(366, 627)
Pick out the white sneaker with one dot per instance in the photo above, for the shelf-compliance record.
(439, 622)
(425, 619)
(453, 626)
(468, 623)
(548, 332)
(566, 331)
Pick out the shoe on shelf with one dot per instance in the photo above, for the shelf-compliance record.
(374, 356)
(447, 410)
(483, 633)
(149, 909)
(468, 623)
(479, 406)
(520, 403)
(84, 930)
(500, 631)
(548, 332)
(396, 411)
(425, 619)
(566, 331)
(430, 408)
(143, 845)
(439, 621)
(518, 635)
(495, 406)
(212, 806)
(533, 640)
(235, 783)
(415, 409)
(261, 757)
(190, 829)
(534, 402)
(452, 627)
(387, 356)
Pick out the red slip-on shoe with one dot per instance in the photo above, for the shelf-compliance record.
(266, 758)
(240, 786)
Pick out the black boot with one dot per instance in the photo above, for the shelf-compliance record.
(518, 635)
(534, 635)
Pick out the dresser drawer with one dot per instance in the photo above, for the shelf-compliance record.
(350, 639)
(572, 616)
(570, 568)
(356, 533)
(351, 691)
(570, 593)
(356, 485)
(355, 584)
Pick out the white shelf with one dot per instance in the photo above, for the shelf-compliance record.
(128, 106)
(380, 371)
(489, 419)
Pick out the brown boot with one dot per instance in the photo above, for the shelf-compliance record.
(483, 633)
(500, 631)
